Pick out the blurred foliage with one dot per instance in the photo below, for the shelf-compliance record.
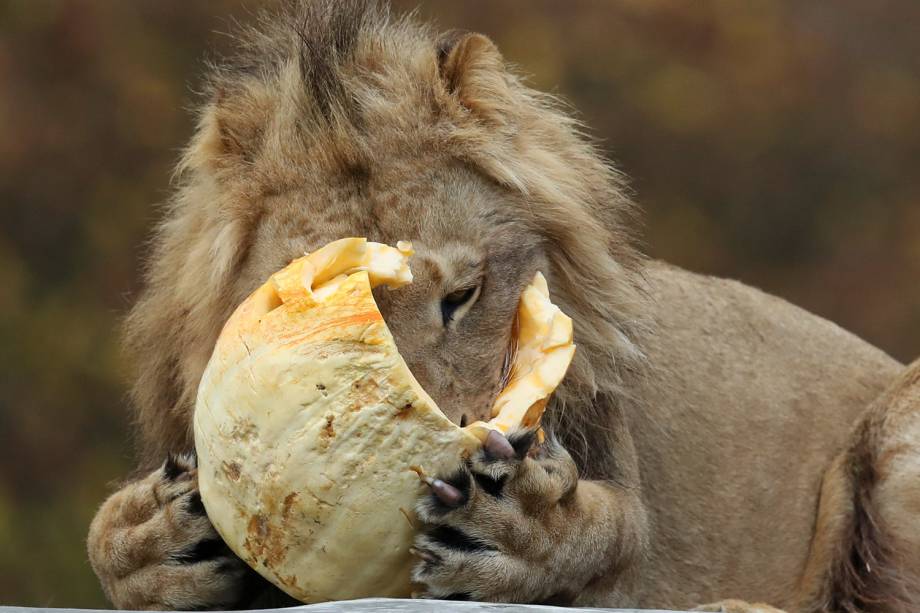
(774, 141)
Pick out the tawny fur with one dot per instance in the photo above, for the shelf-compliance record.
(866, 553)
(707, 411)
(130, 545)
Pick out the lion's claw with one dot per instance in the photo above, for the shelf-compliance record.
(498, 446)
(449, 495)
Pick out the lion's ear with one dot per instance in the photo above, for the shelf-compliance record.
(240, 124)
(473, 70)
(230, 129)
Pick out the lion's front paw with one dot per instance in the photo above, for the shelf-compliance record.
(493, 529)
(153, 547)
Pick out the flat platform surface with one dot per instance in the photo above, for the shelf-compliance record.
(381, 605)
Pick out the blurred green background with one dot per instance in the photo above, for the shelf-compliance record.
(775, 141)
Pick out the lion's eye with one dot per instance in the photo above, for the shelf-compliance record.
(456, 303)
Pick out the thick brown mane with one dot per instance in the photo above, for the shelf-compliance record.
(321, 92)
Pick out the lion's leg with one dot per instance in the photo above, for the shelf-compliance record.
(152, 547)
(516, 524)
(865, 554)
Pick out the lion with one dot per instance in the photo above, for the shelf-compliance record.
(709, 442)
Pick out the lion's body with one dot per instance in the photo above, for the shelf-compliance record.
(706, 412)
(749, 400)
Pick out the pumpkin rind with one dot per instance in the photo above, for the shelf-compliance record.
(311, 431)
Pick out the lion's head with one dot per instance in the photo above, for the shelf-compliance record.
(336, 120)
